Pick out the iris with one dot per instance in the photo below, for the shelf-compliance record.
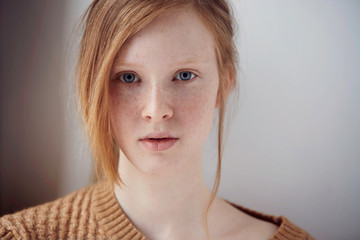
(128, 77)
(185, 76)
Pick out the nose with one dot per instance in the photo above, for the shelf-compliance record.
(157, 106)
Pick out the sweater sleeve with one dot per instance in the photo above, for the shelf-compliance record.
(6, 234)
(289, 231)
(9, 229)
(65, 218)
(36, 223)
(20, 225)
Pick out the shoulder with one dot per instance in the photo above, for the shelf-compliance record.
(244, 223)
(50, 220)
(272, 227)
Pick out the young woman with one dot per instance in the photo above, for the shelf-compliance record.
(150, 76)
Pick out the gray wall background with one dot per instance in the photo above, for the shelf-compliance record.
(292, 148)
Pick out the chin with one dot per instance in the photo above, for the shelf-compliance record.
(154, 164)
(159, 165)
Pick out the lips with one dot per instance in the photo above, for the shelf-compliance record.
(158, 141)
(158, 135)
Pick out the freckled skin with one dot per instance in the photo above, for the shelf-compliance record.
(158, 102)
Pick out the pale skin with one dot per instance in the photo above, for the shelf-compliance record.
(164, 193)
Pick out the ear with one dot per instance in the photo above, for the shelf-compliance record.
(228, 83)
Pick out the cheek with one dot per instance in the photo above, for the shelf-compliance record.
(122, 115)
(122, 104)
(197, 112)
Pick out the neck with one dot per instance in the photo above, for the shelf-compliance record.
(164, 206)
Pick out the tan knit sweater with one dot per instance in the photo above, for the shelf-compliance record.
(94, 213)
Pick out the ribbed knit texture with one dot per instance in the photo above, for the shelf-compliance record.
(94, 213)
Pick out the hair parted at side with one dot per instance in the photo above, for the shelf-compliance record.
(108, 24)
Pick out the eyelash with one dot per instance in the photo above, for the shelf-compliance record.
(120, 76)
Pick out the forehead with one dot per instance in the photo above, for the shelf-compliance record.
(179, 35)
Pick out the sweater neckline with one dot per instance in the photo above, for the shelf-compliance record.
(115, 224)
(112, 220)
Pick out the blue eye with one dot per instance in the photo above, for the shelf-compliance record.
(185, 76)
(128, 77)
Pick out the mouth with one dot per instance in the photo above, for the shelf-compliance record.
(158, 143)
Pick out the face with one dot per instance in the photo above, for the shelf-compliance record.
(163, 91)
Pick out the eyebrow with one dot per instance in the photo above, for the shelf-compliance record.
(118, 62)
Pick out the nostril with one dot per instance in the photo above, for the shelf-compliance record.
(157, 112)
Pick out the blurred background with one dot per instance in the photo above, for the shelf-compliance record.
(293, 147)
